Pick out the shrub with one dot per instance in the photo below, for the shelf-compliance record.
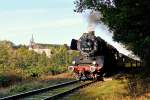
(9, 78)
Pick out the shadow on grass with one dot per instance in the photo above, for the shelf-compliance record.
(138, 84)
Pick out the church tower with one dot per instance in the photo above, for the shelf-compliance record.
(39, 48)
(32, 43)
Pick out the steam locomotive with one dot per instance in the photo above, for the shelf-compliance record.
(97, 57)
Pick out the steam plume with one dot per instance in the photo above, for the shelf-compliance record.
(93, 20)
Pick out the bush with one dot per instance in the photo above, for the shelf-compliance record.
(8, 78)
(56, 70)
(34, 71)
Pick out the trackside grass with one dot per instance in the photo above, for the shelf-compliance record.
(34, 84)
(122, 89)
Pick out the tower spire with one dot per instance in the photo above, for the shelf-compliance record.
(32, 43)
(32, 39)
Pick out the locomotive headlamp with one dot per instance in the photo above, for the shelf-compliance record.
(73, 62)
(94, 62)
(92, 68)
(71, 68)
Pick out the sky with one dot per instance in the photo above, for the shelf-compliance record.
(50, 21)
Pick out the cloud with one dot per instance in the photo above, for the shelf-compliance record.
(48, 24)
(17, 12)
(35, 19)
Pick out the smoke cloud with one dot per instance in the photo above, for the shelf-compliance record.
(93, 20)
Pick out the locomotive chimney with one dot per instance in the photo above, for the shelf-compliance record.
(92, 32)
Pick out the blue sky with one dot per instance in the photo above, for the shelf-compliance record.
(50, 21)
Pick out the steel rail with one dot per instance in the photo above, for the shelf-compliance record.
(59, 95)
(33, 92)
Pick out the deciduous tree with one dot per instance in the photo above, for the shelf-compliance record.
(128, 19)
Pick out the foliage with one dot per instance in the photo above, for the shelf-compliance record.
(61, 58)
(129, 21)
(10, 77)
(19, 60)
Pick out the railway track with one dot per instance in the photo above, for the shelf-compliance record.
(51, 92)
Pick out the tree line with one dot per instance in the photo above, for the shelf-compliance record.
(30, 63)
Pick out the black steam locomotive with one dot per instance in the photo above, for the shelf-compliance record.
(97, 58)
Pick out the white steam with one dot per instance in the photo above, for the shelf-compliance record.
(93, 19)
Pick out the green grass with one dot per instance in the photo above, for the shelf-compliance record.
(102, 91)
(21, 87)
(114, 90)
(30, 85)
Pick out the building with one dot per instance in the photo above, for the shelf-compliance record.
(40, 48)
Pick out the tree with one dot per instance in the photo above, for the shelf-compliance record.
(128, 19)
(42, 60)
(5, 51)
(3, 56)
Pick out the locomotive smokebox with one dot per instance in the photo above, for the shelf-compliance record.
(87, 44)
